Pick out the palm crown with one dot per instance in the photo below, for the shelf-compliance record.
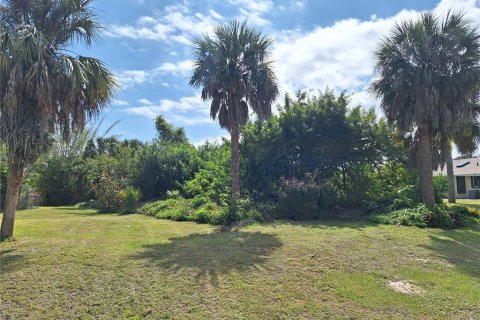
(42, 85)
(428, 72)
(428, 82)
(235, 72)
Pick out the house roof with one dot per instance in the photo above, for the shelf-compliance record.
(462, 167)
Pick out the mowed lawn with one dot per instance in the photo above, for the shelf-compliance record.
(66, 263)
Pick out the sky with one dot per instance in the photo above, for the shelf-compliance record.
(318, 44)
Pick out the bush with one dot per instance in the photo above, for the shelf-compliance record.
(113, 195)
(440, 216)
(107, 193)
(161, 167)
(417, 216)
(129, 198)
(440, 187)
(27, 198)
(57, 180)
(90, 204)
(181, 209)
(301, 199)
(163, 209)
(209, 181)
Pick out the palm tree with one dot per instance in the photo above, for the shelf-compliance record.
(235, 73)
(466, 138)
(44, 86)
(429, 75)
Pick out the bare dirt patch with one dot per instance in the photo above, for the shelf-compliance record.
(405, 287)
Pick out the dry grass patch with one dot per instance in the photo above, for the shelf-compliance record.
(405, 287)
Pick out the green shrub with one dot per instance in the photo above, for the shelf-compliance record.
(440, 187)
(107, 193)
(164, 166)
(463, 216)
(212, 181)
(174, 209)
(440, 216)
(300, 199)
(90, 204)
(199, 209)
(26, 198)
(129, 198)
(417, 216)
(113, 195)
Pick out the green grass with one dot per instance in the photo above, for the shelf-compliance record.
(65, 263)
(471, 203)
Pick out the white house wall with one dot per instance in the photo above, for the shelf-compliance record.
(468, 185)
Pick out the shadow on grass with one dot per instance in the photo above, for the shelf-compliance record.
(82, 211)
(326, 223)
(460, 247)
(213, 254)
(9, 261)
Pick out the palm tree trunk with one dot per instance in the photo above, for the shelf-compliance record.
(234, 134)
(451, 177)
(425, 166)
(14, 180)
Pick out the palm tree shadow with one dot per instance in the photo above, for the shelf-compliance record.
(9, 261)
(212, 254)
(461, 248)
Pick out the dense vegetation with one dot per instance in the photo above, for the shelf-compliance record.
(315, 158)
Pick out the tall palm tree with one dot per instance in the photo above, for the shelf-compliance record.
(44, 86)
(429, 75)
(233, 68)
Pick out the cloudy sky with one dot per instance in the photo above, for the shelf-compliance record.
(322, 43)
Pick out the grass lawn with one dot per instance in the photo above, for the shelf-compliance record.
(472, 203)
(66, 263)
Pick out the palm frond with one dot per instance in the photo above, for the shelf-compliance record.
(43, 89)
(233, 69)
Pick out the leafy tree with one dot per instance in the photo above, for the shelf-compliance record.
(168, 133)
(429, 74)
(161, 167)
(42, 85)
(316, 133)
(212, 180)
(233, 69)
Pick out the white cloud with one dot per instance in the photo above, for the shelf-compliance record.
(215, 140)
(469, 7)
(119, 102)
(254, 5)
(175, 23)
(129, 78)
(185, 111)
(145, 102)
(180, 68)
(253, 17)
(253, 10)
(341, 55)
(157, 31)
(362, 98)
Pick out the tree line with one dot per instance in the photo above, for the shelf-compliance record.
(317, 149)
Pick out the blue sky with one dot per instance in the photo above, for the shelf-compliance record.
(319, 43)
